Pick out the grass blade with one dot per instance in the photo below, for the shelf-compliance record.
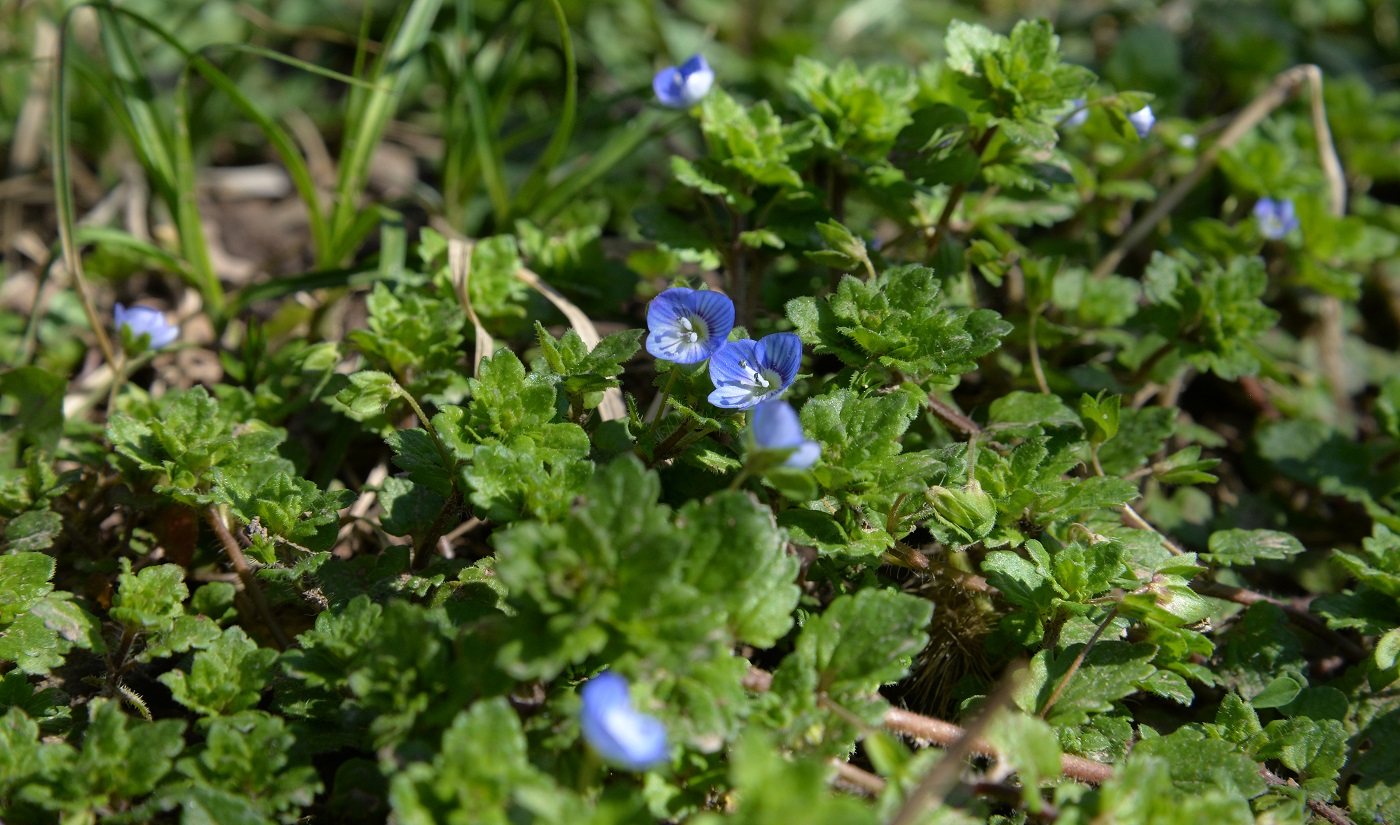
(371, 118)
(558, 144)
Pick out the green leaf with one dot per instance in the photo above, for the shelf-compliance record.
(1020, 413)
(862, 641)
(227, 677)
(482, 773)
(1246, 547)
(737, 553)
(369, 393)
(1277, 693)
(24, 580)
(1111, 671)
(1200, 765)
(37, 419)
(1100, 416)
(32, 531)
(1314, 749)
(899, 321)
(247, 756)
(121, 757)
(1028, 583)
(151, 598)
(771, 788)
(1030, 747)
(858, 435)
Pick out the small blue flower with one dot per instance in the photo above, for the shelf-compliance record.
(746, 372)
(1079, 109)
(139, 321)
(776, 426)
(620, 734)
(1276, 218)
(688, 325)
(1142, 120)
(681, 88)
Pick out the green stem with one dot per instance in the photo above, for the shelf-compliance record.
(1078, 660)
(665, 397)
(666, 448)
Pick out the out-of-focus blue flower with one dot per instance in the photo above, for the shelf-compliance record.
(138, 321)
(746, 372)
(688, 325)
(1079, 113)
(1276, 218)
(776, 427)
(620, 734)
(1142, 120)
(682, 87)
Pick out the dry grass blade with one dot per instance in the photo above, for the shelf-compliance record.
(612, 407)
(459, 263)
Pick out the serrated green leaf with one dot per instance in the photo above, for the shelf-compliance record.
(1246, 547)
(227, 676)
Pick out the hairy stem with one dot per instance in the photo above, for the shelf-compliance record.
(245, 575)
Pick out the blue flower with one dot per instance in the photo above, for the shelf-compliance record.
(746, 372)
(139, 321)
(1079, 112)
(620, 734)
(687, 325)
(775, 426)
(1142, 120)
(1276, 218)
(681, 88)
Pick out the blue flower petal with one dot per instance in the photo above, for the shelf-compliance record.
(140, 321)
(1079, 113)
(669, 85)
(776, 426)
(725, 364)
(695, 65)
(619, 733)
(805, 455)
(782, 353)
(717, 310)
(1142, 121)
(1277, 218)
(681, 88)
(687, 326)
(734, 397)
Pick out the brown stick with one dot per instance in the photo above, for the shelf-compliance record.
(245, 575)
(949, 415)
(1249, 117)
(1239, 595)
(941, 775)
(945, 734)
(856, 779)
(1328, 812)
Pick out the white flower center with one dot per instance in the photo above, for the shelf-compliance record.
(690, 334)
(758, 382)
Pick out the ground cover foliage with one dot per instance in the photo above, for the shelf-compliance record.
(1085, 509)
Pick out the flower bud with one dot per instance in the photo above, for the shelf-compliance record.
(961, 516)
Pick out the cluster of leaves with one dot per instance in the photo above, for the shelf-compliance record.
(1047, 500)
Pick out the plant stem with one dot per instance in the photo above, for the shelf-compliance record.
(663, 450)
(1035, 356)
(1078, 660)
(245, 575)
(423, 548)
(1271, 98)
(944, 734)
(665, 397)
(941, 229)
